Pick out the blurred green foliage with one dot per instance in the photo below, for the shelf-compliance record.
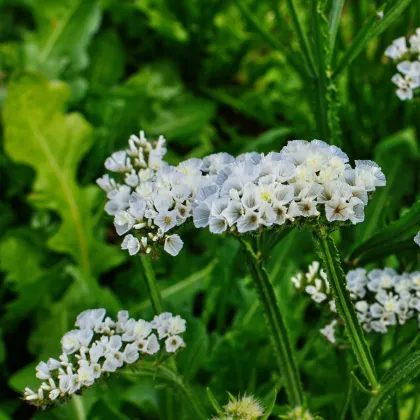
(77, 77)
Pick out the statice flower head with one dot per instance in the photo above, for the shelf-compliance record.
(305, 183)
(246, 407)
(382, 297)
(407, 57)
(100, 346)
(151, 198)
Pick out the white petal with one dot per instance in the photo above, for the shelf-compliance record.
(173, 244)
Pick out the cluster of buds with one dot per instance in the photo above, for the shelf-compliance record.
(100, 346)
(407, 59)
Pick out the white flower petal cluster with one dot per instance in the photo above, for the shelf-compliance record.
(417, 239)
(151, 198)
(100, 346)
(382, 297)
(408, 65)
(304, 180)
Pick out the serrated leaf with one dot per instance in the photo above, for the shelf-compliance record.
(39, 134)
(63, 31)
(401, 374)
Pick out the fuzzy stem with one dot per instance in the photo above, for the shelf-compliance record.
(276, 326)
(152, 288)
(337, 280)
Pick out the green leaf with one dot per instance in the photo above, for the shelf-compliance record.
(107, 59)
(371, 29)
(39, 134)
(161, 19)
(334, 20)
(63, 31)
(394, 380)
(214, 402)
(394, 154)
(183, 119)
(270, 406)
(396, 237)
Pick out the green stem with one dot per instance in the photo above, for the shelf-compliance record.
(154, 294)
(321, 82)
(337, 280)
(152, 288)
(277, 328)
(171, 378)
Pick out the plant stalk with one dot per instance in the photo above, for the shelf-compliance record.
(337, 280)
(276, 326)
(152, 288)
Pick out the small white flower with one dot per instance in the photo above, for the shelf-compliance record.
(173, 244)
(131, 353)
(166, 220)
(150, 345)
(173, 343)
(248, 222)
(397, 49)
(86, 375)
(70, 342)
(329, 331)
(417, 239)
(131, 243)
(43, 371)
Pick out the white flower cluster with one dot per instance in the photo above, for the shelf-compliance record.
(382, 297)
(100, 346)
(304, 180)
(408, 65)
(417, 239)
(152, 198)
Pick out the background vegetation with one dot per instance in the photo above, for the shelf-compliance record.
(79, 76)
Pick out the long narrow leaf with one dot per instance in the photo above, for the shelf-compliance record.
(303, 42)
(401, 374)
(334, 20)
(396, 237)
(371, 29)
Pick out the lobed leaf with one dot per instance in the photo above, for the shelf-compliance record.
(39, 134)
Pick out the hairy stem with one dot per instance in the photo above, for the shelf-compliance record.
(276, 326)
(337, 280)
